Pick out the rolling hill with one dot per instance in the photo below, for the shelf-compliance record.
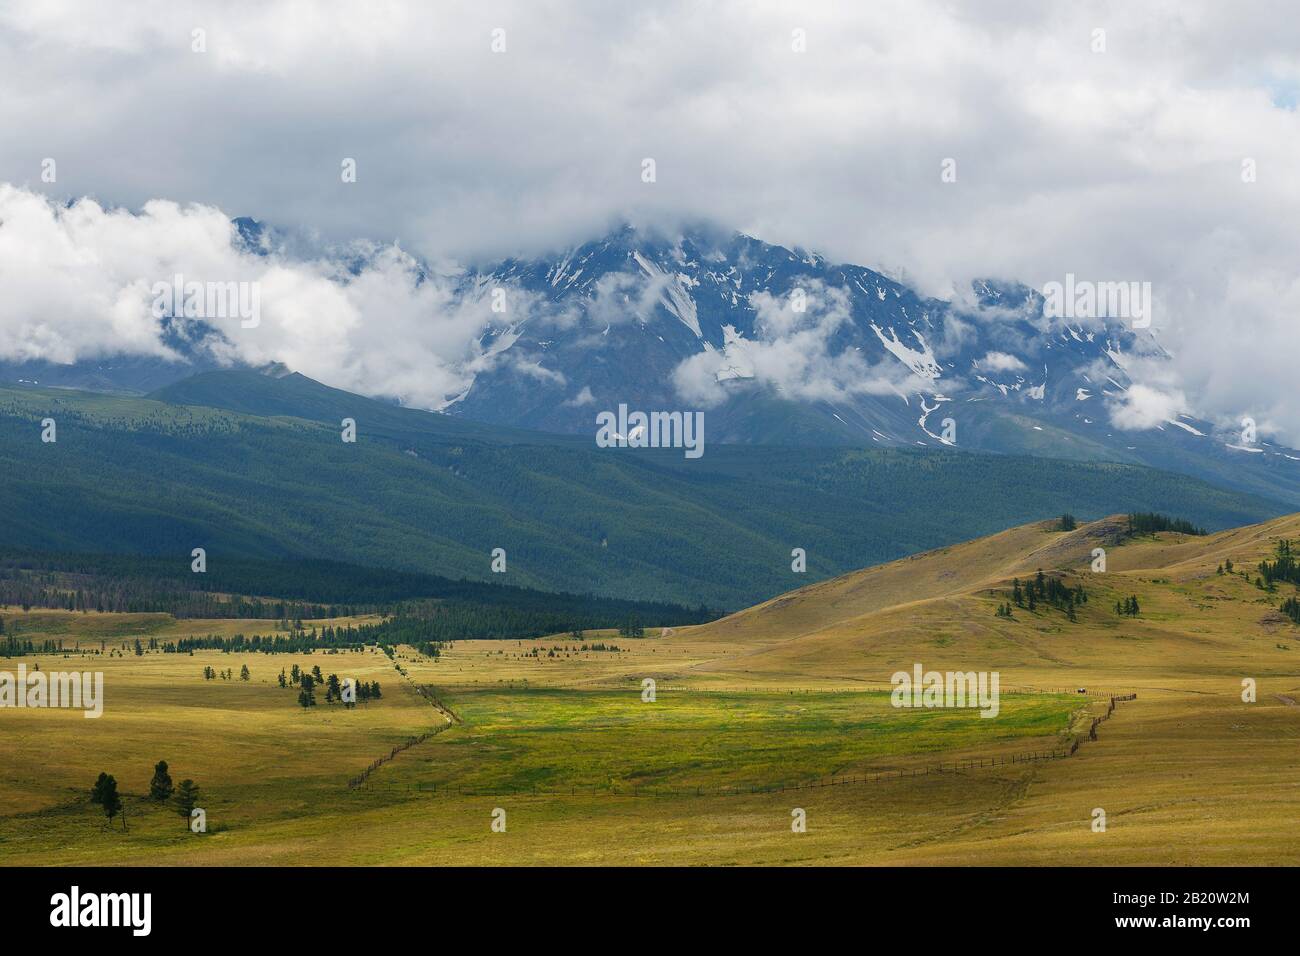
(940, 607)
(1197, 768)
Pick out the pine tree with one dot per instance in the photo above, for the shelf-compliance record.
(187, 797)
(243, 673)
(97, 791)
(110, 800)
(1291, 608)
(160, 787)
(307, 697)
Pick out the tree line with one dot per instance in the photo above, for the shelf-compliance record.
(1284, 568)
(1150, 522)
(361, 691)
(429, 606)
(1041, 589)
(424, 625)
(1291, 608)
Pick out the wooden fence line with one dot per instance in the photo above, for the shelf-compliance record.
(360, 778)
(444, 711)
(882, 689)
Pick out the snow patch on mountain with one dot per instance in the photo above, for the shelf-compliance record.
(672, 296)
(922, 363)
(1187, 428)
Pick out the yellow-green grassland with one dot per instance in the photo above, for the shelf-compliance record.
(780, 708)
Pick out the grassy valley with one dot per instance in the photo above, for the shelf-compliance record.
(782, 707)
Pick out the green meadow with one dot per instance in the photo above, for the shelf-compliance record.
(560, 739)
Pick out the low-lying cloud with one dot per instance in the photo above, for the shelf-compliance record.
(792, 353)
(78, 283)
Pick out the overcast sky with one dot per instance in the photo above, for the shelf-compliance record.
(1115, 155)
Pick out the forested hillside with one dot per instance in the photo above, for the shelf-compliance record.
(416, 608)
(419, 493)
(242, 588)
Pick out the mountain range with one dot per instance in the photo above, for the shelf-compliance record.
(779, 347)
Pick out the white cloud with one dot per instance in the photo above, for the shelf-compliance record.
(77, 283)
(1001, 362)
(1144, 407)
(791, 353)
(584, 397)
(535, 370)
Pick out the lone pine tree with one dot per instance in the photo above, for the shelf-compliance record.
(187, 798)
(97, 791)
(109, 798)
(160, 787)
